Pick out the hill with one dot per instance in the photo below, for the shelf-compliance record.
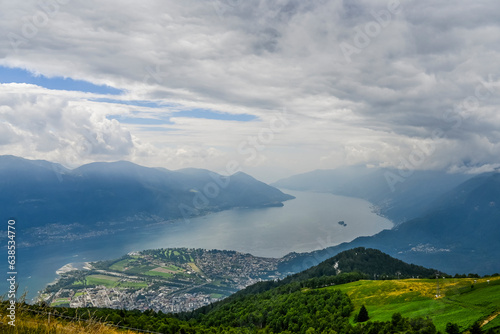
(462, 301)
(394, 306)
(348, 266)
(39, 192)
(458, 234)
(370, 262)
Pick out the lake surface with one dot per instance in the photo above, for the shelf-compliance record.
(307, 223)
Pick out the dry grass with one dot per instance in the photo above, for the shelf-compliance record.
(44, 321)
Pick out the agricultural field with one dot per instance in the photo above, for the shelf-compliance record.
(124, 264)
(461, 300)
(107, 281)
(195, 268)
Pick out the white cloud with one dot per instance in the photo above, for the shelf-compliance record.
(48, 125)
(255, 58)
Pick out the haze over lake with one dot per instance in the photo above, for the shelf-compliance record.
(306, 223)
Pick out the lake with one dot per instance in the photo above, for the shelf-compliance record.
(307, 223)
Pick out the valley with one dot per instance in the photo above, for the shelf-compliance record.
(250, 167)
(309, 248)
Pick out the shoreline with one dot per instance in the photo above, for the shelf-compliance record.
(324, 231)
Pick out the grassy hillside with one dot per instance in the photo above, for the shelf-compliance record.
(42, 323)
(294, 309)
(463, 301)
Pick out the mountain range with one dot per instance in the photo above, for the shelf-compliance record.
(38, 192)
(456, 229)
(445, 221)
(399, 195)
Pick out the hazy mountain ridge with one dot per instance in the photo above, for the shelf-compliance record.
(458, 234)
(399, 195)
(40, 192)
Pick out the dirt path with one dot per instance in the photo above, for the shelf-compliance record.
(490, 318)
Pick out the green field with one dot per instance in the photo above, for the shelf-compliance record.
(114, 282)
(174, 268)
(159, 274)
(107, 281)
(121, 265)
(178, 255)
(60, 302)
(462, 301)
(140, 269)
(495, 323)
(195, 268)
(132, 285)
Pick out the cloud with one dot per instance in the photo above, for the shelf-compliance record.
(42, 124)
(417, 68)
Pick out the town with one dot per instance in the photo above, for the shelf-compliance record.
(167, 280)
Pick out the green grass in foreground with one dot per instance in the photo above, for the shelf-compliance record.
(462, 301)
(493, 324)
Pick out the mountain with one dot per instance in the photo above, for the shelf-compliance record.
(39, 192)
(367, 261)
(399, 195)
(347, 266)
(459, 233)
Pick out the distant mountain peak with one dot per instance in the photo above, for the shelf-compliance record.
(11, 161)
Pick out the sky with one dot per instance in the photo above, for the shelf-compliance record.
(273, 87)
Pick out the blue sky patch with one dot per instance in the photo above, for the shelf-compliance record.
(18, 75)
(210, 114)
(136, 103)
(140, 120)
(158, 129)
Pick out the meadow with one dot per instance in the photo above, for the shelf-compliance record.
(461, 300)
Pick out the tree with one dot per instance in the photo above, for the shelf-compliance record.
(362, 315)
(476, 328)
(452, 328)
(310, 330)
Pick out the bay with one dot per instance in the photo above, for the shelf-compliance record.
(306, 223)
